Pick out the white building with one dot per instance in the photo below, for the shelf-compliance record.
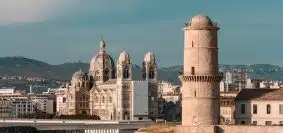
(22, 106)
(61, 100)
(227, 108)
(43, 102)
(7, 90)
(260, 107)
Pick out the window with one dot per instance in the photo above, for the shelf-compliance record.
(103, 99)
(281, 109)
(192, 43)
(195, 93)
(126, 73)
(254, 122)
(151, 73)
(268, 109)
(268, 123)
(254, 109)
(281, 123)
(192, 70)
(243, 122)
(106, 75)
(243, 108)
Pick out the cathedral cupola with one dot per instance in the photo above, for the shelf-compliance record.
(102, 67)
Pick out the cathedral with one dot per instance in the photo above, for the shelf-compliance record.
(106, 89)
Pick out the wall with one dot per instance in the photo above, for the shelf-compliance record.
(249, 129)
(230, 129)
(140, 98)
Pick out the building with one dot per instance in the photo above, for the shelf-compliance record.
(21, 107)
(7, 90)
(61, 100)
(235, 80)
(44, 102)
(227, 110)
(5, 108)
(106, 89)
(260, 107)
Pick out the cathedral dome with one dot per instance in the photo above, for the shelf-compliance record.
(200, 20)
(79, 74)
(124, 58)
(149, 57)
(102, 60)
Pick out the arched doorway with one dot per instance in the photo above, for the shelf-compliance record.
(126, 116)
(84, 112)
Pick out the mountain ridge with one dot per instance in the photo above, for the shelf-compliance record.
(22, 66)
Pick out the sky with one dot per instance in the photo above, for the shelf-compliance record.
(59, 31)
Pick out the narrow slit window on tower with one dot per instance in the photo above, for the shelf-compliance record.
(192, 43)
(195, 93)
(192, 70)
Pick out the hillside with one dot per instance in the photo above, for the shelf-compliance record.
(29, 67)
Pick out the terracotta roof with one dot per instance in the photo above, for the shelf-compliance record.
(260, 94)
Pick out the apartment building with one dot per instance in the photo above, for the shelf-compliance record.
(259, 107)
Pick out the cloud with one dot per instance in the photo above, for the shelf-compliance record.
(21, 11)
(18, 11)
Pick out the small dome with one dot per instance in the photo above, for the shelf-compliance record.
(200, 20)
(149, 57)
(79, 74)
(124, 57)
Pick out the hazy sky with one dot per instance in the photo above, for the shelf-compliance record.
(57, 31)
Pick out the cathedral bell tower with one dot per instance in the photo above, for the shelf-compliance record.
(200, 78)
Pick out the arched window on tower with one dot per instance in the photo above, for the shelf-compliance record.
(79, 84)
(126, 73)
(151, 73)
(97, 75)
(106, 75)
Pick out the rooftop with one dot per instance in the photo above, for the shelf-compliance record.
(260, 94)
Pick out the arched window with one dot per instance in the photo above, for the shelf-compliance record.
(143, 70)
(96, 98)
(192, 70)
(126, 73)
(110, 99)
(96, 75)
(83, 84)
(106, 75)
(103, 99)
(79, 84)
(151, 73)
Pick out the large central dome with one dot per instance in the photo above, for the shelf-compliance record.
(101, 62)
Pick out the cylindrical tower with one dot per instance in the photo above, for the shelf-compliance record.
(201, 77)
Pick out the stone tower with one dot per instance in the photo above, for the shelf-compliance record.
(149, 73)
(201, 77)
